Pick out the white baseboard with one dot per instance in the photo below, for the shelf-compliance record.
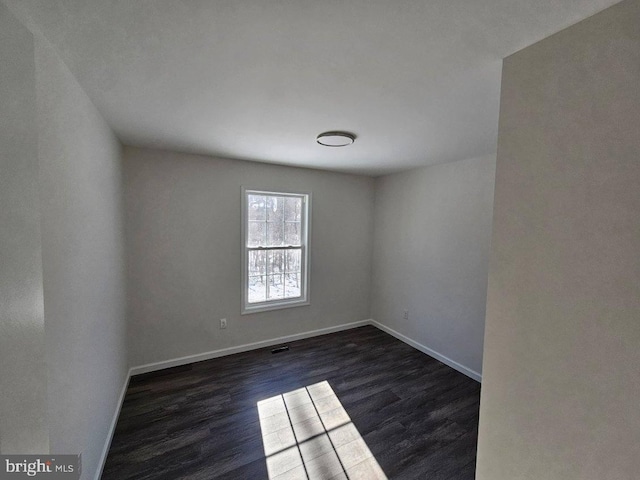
(175, 362)
(432, 353)
(151, 367)
(112, 427)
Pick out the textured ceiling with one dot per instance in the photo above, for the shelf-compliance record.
(417, 81)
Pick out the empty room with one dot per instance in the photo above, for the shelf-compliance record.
(286, 239)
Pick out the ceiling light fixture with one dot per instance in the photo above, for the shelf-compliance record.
(336, 139)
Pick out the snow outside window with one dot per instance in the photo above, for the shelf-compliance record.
(275, 259)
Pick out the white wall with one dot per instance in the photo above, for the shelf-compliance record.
(23, 422)
(83, 263)
(63, 355)
(183, 247)
(561, 384)
(431, 255)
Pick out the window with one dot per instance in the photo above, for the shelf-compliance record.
(275, 231)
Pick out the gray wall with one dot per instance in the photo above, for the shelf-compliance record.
(562, 359)
(183, 247)
(431, 255)
(63, 356)
(23, 426)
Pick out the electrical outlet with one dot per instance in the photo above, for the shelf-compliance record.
(223, 323)
(405, 314)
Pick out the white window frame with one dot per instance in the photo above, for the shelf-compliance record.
(305, 235)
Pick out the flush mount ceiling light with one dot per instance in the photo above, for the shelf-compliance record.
(335, 139)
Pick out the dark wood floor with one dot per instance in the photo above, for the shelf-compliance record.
(418, 417)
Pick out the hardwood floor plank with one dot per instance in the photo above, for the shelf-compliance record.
(417, 416)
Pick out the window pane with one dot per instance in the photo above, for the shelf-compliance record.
(256, 205)
(292, 285)
(276, 287)
(275, 234)
(256, 234)
(276, 261)
(275, 217)
(257, 289)
(275, 209)
(257, 263)
(292, 209)
(293, 261)
(292, 233)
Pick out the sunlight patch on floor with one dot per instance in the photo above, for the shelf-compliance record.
(307, 434)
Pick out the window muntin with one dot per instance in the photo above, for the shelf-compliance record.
(275, 253)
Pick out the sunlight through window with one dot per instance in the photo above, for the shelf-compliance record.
(307, 434)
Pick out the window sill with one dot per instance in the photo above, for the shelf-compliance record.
(246, 310)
